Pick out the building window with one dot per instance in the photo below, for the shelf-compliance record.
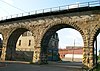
(19, 42)
(29, 43)
(24, 34)
(28, 33)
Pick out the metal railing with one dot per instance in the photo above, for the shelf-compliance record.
(59, 8)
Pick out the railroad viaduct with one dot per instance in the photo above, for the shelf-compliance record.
(86, 20)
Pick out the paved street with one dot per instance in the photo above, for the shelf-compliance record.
(19, 66)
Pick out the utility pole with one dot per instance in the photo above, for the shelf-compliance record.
(96, 51)
(73, 51)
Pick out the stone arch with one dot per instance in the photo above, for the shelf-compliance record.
(64, 25)
(93, 37)
(18, 27)
(95, 33)
(12, 40)
(53, 28)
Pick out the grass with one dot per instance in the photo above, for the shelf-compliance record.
(97, 68)
(98, 65)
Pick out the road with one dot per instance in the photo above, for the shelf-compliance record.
(19, 66)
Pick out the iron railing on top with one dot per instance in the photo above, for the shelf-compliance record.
(59, 8)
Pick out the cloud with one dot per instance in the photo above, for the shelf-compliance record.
(69, 33)
(67, 36)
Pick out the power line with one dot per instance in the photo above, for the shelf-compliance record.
(12, 5)
(4, 10)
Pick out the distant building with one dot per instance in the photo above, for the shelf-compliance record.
(25, 44)
(71, 53)
(53, 48)
(25, 47)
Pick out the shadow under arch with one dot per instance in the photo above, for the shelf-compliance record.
(11, 43)
(94, 44)
(1, 43)
(48, 34)
(96, 34)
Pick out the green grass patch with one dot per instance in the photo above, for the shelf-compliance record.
(97, 68)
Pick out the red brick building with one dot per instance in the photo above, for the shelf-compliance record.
(77, 51)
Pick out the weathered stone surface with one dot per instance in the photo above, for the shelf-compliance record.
(87, 23)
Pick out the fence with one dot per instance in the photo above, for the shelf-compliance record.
(59, 8)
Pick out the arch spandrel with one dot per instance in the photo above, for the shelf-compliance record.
(67, 24)
(95, 32)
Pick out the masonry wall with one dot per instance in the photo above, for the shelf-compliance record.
(85, 20)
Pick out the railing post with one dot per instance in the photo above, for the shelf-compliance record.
(6, 17)
(88, 4)
(35, 11)
(22, 14)
(50, 9)
(17, 15)
(43, 10)
(68, 7)
(99, 2)
(28, 13)
(59, 8)
(11, 16)
(78, 5)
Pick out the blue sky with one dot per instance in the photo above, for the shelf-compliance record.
(31, 5)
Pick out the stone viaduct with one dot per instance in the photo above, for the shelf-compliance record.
(86, 20)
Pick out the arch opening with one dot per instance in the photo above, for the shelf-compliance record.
(1, 43)
(96, 49)
(54, 52)
(20, 45)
